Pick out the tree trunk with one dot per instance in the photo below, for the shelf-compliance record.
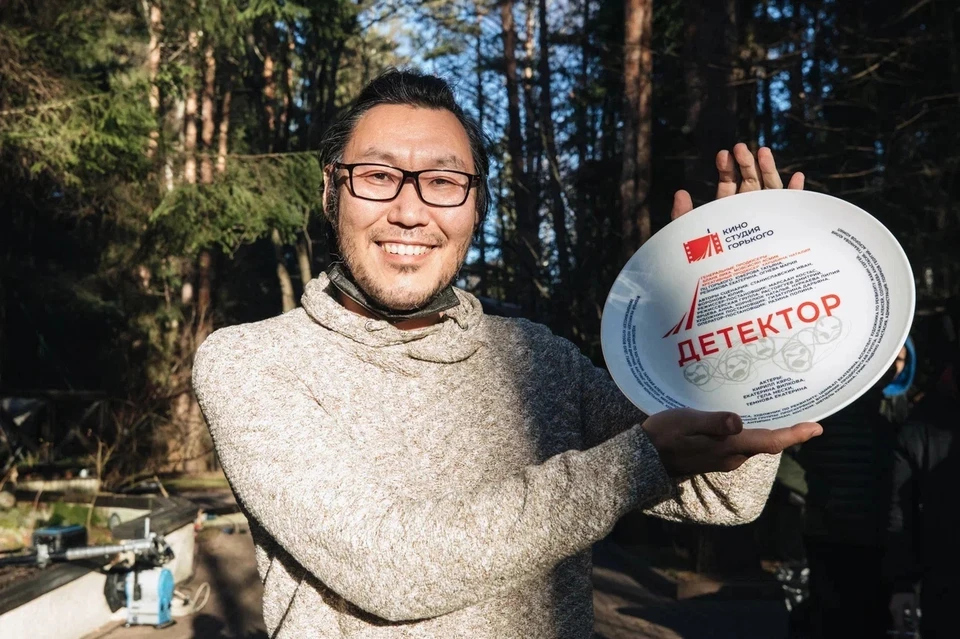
(176, 119)
(288, 102)
(554, 184)
(527, 244)
(481, 107)
(155, 26)
(190, 117)
(288, 303)
(198, 455)
(269, 95)
(223, 134)
(531, 135)
(745, 73)
(330, 105)
(766, 112)
(638, 125)
(187, 432)
(710, 47)
(797, 93)
(207, 115)
(303, 260)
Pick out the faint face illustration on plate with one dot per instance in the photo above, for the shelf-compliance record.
(827, 329)
(763, 348)
(737, 367)
(797, 356)
(697, 374)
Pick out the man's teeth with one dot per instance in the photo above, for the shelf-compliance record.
(405, 249)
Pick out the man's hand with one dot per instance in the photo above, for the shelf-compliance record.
(767, 178)
(691, 442)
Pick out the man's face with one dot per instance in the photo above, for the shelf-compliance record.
(403, 252)
(901, 362)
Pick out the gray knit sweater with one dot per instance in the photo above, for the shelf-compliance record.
(442, 482)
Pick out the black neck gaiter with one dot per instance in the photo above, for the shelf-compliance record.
(342, 279)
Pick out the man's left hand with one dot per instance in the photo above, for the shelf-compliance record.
(753, 180)
(691, 441)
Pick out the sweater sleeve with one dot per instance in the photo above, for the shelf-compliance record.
(388, 551)
(727, 498)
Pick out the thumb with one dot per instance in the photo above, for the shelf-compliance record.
(712, 424)
(771, 442)
(682, 204)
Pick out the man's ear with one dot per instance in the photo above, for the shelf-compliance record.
(327, 180)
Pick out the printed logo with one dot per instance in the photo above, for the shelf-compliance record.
(686, 316)
(702, 247)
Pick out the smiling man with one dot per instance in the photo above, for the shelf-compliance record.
(403, 245)
(412, 467)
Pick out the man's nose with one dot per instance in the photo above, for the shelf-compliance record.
(408, 209)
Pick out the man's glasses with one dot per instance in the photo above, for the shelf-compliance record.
(382, 183)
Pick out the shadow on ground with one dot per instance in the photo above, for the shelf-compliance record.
(631, 599)
(211, 627)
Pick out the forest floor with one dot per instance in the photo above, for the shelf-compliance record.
(632, 598)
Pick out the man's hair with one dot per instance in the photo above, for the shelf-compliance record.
(415, 89)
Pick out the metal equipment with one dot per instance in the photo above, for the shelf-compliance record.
(136, 577)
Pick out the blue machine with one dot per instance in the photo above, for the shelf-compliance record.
(60, 538)
(138, 580)
(149, 597)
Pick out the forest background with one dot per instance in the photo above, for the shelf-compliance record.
(158, 177)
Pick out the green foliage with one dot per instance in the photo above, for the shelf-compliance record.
(253, 197)
(64, 514)
(107, 232)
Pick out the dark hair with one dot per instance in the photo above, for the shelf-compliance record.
(412, 89)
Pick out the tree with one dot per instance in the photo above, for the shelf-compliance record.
(638, 125)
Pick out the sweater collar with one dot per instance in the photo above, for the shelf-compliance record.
(341, 279)
(453, 339)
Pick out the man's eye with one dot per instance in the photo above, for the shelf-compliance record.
(442, 182)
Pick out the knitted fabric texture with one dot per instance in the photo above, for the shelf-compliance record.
(442, 482)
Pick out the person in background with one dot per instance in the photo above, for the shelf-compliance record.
(896, 395)
(848, 476)
(922, 548)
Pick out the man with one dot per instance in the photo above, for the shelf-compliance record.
(414, 468)
(926, 472)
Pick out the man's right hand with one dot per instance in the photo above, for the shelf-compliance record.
(691, 442)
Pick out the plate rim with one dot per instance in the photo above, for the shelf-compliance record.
(863, 215)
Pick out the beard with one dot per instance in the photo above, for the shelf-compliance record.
(406, 298)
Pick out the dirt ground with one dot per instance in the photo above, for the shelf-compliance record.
(631, 599)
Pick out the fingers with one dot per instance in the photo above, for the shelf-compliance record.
(682, 204)
(727, 171)
(748, 168)
(756, 173)
(768, 169)
(796, 182)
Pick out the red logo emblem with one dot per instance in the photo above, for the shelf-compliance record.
(686, 316)
(702, 247)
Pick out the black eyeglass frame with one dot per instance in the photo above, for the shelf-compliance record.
(407, 175)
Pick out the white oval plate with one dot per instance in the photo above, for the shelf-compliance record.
(780, 305)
